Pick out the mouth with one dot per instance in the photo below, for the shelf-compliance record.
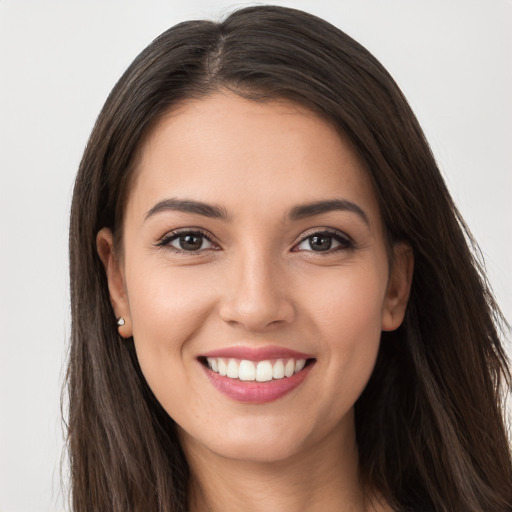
(256, 376)
(246, 370)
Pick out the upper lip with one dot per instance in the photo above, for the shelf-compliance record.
(257, 353)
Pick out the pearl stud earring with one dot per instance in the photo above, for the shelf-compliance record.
(120, 321)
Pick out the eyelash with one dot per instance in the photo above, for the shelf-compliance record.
(165, 241)
(344, 241)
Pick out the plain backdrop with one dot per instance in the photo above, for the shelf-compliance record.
(59, 60)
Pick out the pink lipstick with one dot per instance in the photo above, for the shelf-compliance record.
(256, 375)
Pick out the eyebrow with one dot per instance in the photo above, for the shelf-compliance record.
(188, 206)
(297, 213)
(319, 207)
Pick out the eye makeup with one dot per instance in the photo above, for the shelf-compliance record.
(188, 241)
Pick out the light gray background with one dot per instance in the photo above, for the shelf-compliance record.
(58, 61)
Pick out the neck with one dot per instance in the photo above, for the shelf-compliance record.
(322, 477)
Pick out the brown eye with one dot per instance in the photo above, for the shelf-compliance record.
(320, 242)
(325, 241)
(189, 241)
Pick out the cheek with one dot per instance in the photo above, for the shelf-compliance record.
(346, 314)
(348, 301)
(168, 308)
(169, 301)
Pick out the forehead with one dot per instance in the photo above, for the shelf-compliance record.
(228, 150)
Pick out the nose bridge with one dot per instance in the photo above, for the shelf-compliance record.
(256, 296)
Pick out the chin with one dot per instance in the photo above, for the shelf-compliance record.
(257, 450)
(259, 440)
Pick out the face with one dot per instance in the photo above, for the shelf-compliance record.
(254, 276)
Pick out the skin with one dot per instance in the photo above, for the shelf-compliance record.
(257, 283)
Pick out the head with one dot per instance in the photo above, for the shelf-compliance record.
(278, 58)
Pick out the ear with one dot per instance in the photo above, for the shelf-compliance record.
(116, 281)
(399, 287)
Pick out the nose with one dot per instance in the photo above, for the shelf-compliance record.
(256, 296)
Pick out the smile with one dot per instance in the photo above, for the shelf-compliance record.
(256, 376)
(262, 371)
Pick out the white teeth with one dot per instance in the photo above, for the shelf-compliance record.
(212, 363)
(232, 369)
(278, 369)
(263, 371)
(223, 368)
(289, 369)
(247, 370)
(299, 364)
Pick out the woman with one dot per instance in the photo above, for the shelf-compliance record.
(274, 303)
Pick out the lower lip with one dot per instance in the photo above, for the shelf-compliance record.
(253, 392)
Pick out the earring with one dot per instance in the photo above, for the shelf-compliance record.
(120, 321)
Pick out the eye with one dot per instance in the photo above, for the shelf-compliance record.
(187, 241)
(325, 241)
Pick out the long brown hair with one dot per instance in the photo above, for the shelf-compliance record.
(430, 424)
